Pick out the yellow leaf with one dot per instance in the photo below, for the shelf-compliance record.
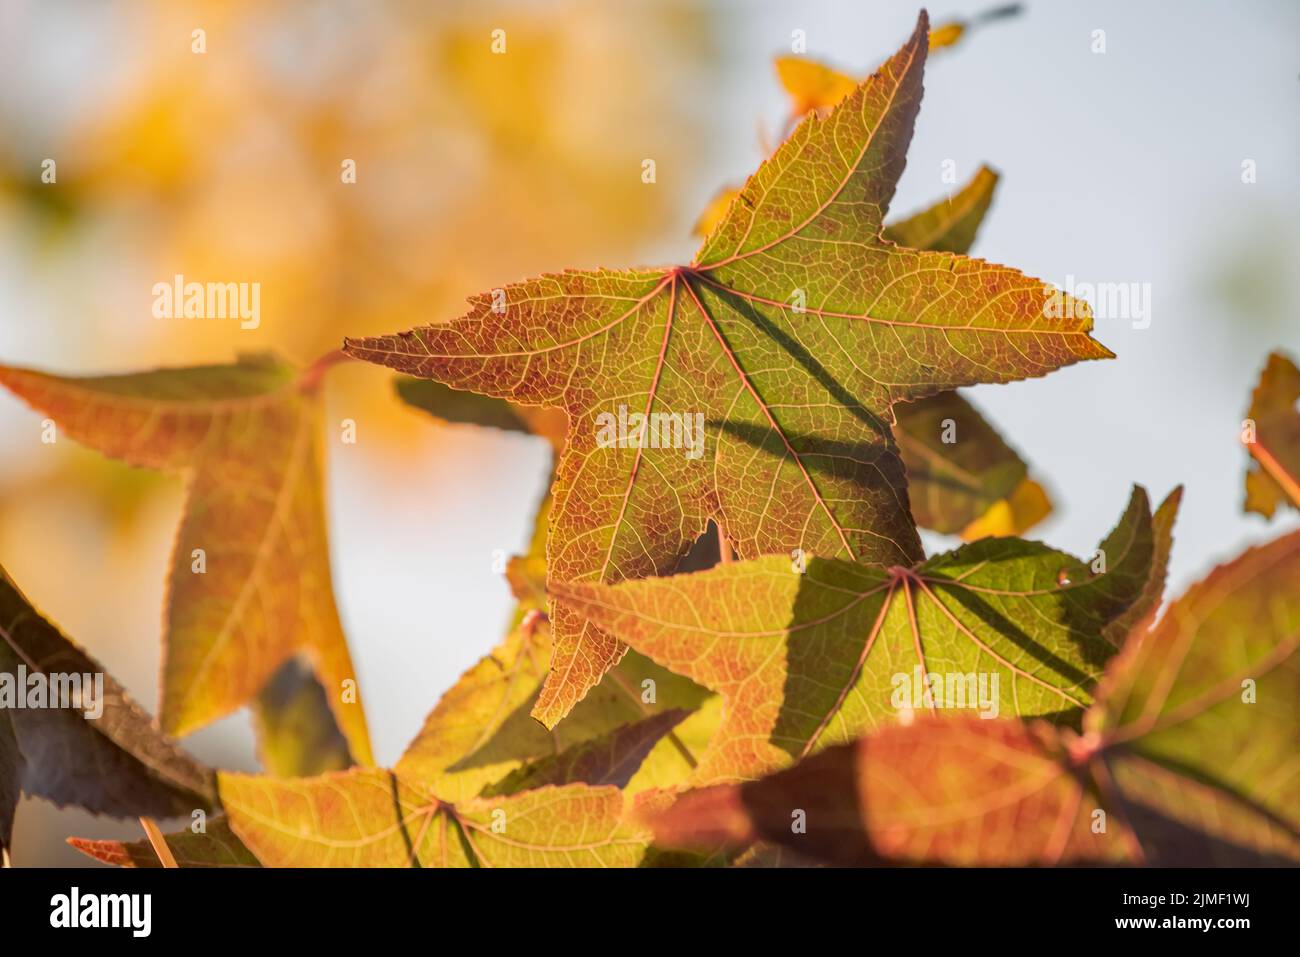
(812, 85)
(1026, 506)
(714, 212)
(946, 34)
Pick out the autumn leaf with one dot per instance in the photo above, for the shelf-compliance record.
(1187, 758)
(479, 741)
(950, 33)
(372, 818)
(970, 481)
(250, 580)
(950, 224)
(216, 846)
(962, 477)
(100, 751)
(797, 452)
(1025, 506)
(1271, 435)
(806, 660)
(480, 755)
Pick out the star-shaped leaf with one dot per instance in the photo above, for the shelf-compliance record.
(962, 477)
(806, 660)
(769, 365)
(100, 751)
(250, 577)
(1272, 437)
(1187, 758)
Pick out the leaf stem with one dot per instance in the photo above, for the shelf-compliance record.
(311, 376)
(1276, 472)
(158, 842)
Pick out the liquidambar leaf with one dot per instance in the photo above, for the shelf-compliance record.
(217, 846)
(250, 578)
(962, 477)
(612, 759)
(803, 661)
(752, 386)
(98, 749)
(1188, 758)
(1272, 437)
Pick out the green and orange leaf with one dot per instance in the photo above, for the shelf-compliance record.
(962, 477)
(803, 661)
(797, 451)
(1187, 757)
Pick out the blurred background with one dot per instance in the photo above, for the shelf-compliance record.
(474, 169)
